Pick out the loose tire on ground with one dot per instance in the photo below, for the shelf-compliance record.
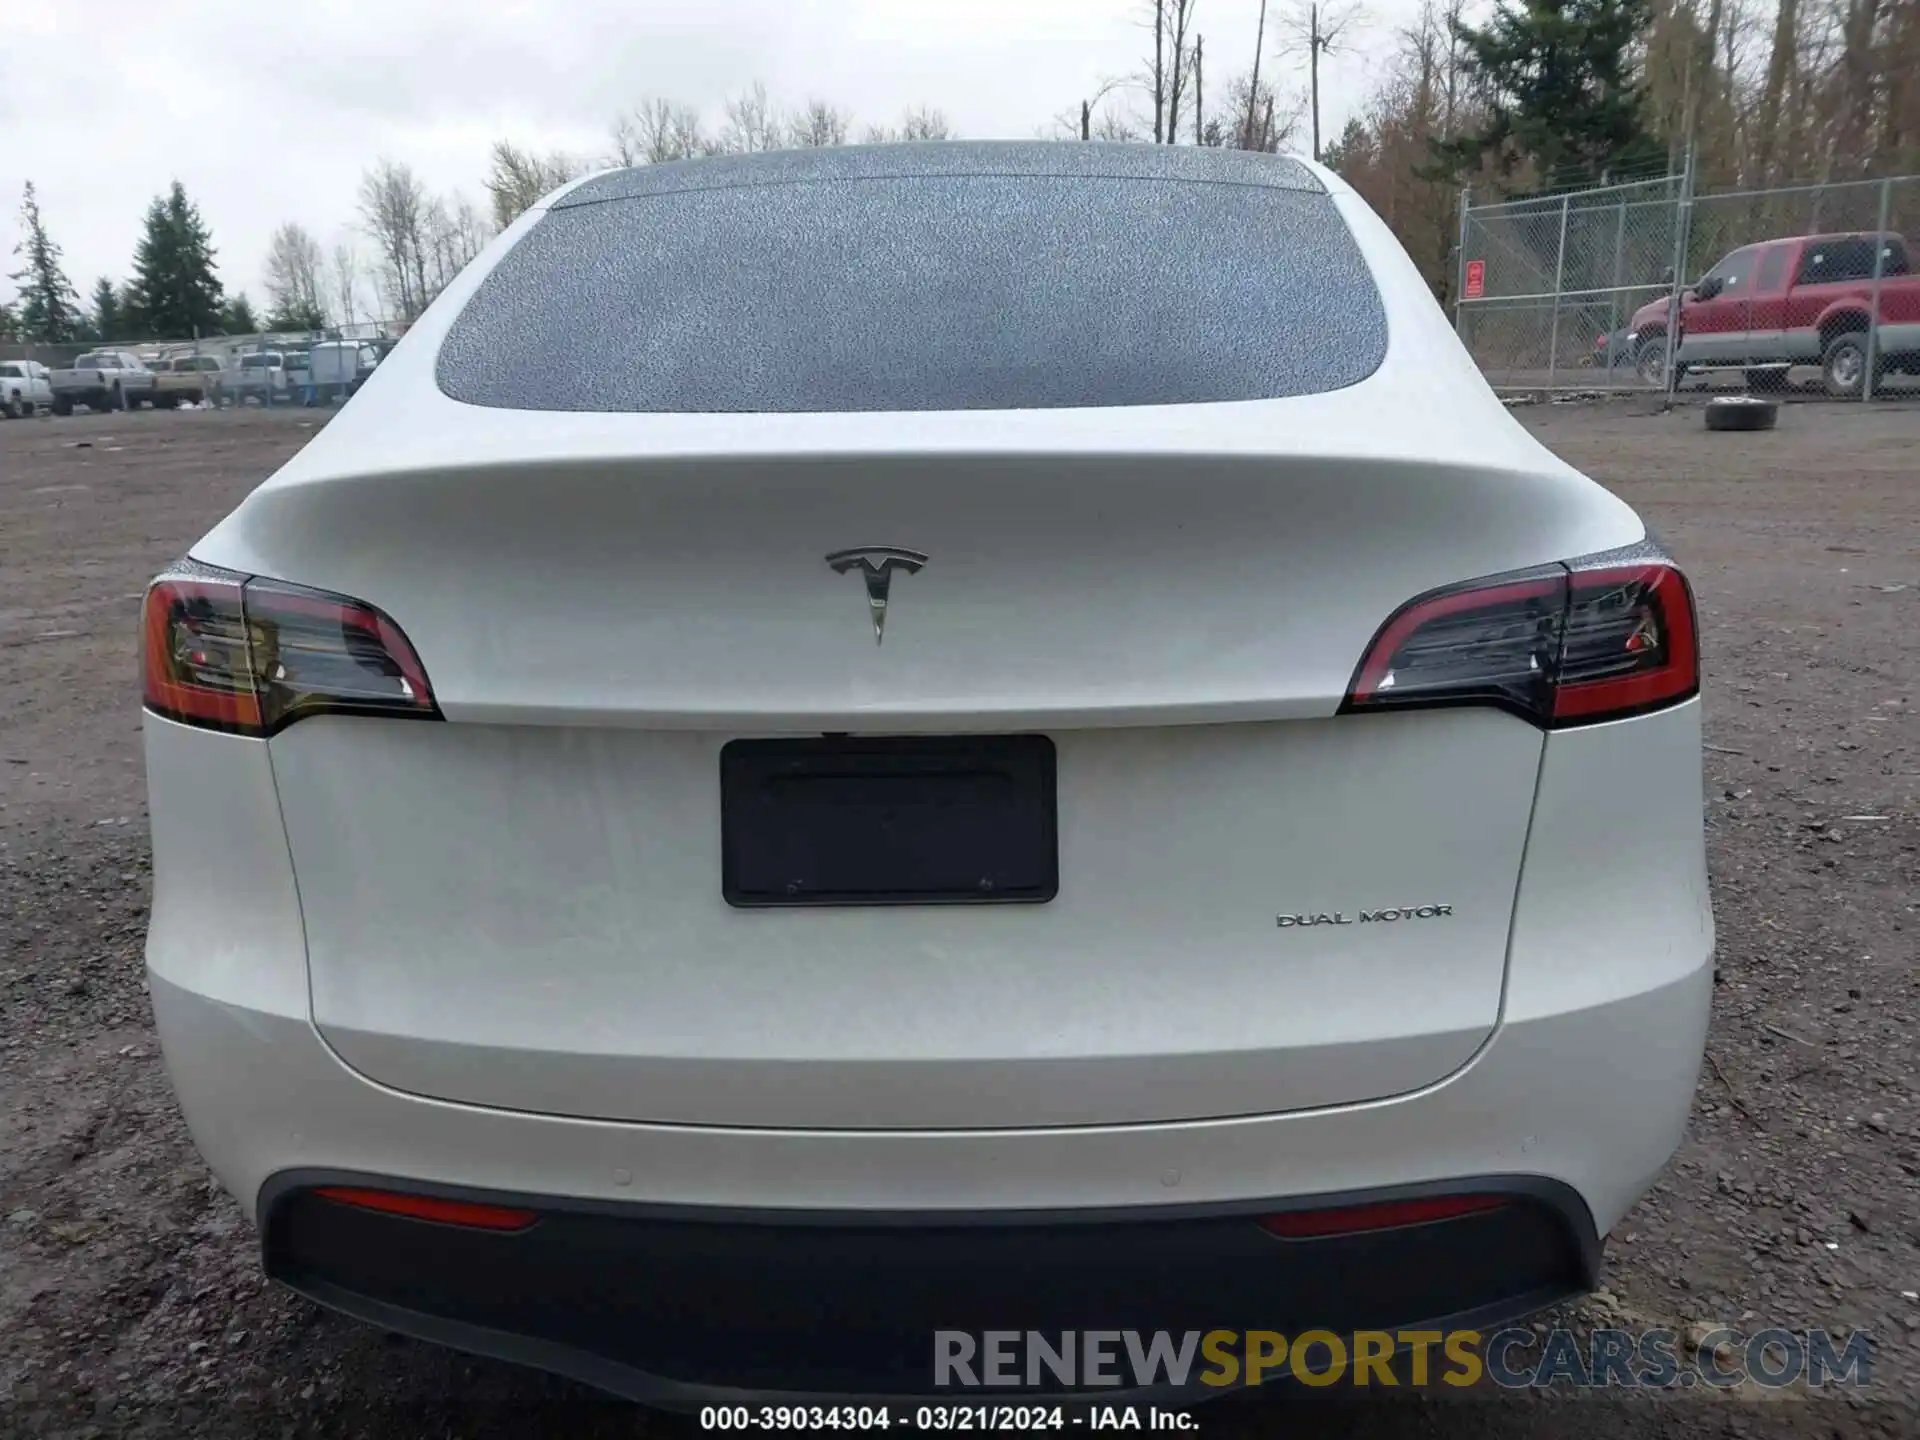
(1742, 412)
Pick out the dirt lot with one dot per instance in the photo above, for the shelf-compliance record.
(130, 1301)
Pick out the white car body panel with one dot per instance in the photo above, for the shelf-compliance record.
(1587, 1078)
(531, 918)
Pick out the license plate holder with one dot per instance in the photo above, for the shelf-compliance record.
(893, 820)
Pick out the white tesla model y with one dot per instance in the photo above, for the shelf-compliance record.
(846, 747)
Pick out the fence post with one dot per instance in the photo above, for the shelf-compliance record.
(1873, 316)
(1613, 294)
(1460, 268)
(1559, 279)
(1682, 234)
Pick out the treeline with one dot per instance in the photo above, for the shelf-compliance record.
(1513, 98)
(1555, 94)
(660, 130)
(173, 289)
(419, 242)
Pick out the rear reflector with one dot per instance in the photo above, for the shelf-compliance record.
(428, 1207)
(251, 656)
(1382, 1215)
(1593, 639)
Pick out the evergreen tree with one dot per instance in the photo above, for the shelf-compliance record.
(49, 307)
(175, 293)
(9, 322)
(238, 318)
(297, 315)
(108, 322)
(1562, 94)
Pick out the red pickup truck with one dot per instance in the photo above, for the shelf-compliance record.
(1800, 301)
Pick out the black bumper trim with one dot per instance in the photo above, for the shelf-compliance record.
(681, 1306)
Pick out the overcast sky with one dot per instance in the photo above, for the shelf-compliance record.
(269, 112)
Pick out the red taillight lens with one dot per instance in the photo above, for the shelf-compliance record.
(252, 656)
(1382, 1215)
(194, 656)
(428, 1207)
(1565, 645)
(1630, 643)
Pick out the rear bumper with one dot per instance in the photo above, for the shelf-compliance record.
(1584, 1085)
(682, 1308)
(1595, 1099)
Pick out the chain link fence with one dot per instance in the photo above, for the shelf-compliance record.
(1648, 286)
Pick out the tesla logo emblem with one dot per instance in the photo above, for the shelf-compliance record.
(876, 564)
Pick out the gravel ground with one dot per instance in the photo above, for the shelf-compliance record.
(130, 1298)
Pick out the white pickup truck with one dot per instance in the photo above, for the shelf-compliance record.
(102, 380)
(23, 388)
(260, 375)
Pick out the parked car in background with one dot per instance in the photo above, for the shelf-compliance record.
(298, 365)
(1800, 301)
(24, 388)
(188, 379)
(340, 367)
(102, 380)
(261, 376)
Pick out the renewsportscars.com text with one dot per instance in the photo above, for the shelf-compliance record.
(1512, 1358)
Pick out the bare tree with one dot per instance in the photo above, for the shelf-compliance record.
(1199, 90)
(1159, 70)
(517, 179)
(1421, 96)
(1172, 22)
(393, 206)
(1081, 122)
(924, 122)
(1179, 21)
(1263, 123)
(817, 126)
(1247, 116)
(1324, 30)
(452, 234)
(293, 275)
(751, 126)
(628, 148)
(344, 273)
(661, 131)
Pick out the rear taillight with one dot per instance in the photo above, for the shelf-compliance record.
(468, 1213)
(1380, 1215)
(1594, 639)
(252, 656)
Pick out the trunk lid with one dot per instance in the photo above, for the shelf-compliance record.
(1262, 906)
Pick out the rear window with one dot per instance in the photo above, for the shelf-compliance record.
(965, 289)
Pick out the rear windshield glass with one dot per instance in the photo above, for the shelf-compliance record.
(922, 292)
